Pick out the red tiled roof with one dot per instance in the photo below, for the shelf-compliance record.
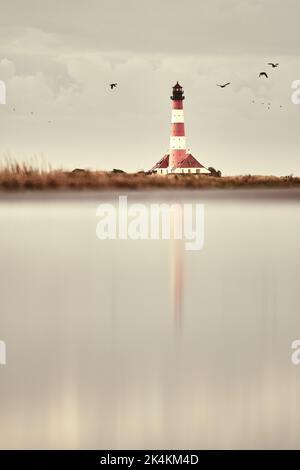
(188, 162)
(163, 162)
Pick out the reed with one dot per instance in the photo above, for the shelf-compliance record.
(16, 176)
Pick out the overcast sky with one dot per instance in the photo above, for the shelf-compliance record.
(58, 58)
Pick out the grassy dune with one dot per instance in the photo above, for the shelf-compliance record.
(16, 177)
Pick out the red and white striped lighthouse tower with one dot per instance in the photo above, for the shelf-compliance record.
(177, 139)
(178, 160)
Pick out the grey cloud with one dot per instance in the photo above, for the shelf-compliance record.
(58, 58)
(190, 26)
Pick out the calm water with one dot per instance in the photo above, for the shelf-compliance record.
(141, 344)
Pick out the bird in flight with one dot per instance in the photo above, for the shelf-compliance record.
(113, 85)
(263, 74)
(273, 65)
(225, 85)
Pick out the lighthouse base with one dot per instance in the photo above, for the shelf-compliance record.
(188, 165)
(168, 171)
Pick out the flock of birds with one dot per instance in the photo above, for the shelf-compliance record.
(31, 113)
(112, 86)
(224, 85)
(262, 74)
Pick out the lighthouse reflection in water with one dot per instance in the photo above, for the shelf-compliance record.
(143, 344)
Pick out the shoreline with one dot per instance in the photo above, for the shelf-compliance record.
(174, 195)
(22, 179)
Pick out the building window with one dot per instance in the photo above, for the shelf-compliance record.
(198, 170)
(189, 170)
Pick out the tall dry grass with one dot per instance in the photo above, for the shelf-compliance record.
(15, 176)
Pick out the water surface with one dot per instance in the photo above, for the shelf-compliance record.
(142, 344)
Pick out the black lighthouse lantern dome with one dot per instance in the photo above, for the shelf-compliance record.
(177, 92)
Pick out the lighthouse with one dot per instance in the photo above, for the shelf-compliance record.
(178, 159)
(177, 138)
